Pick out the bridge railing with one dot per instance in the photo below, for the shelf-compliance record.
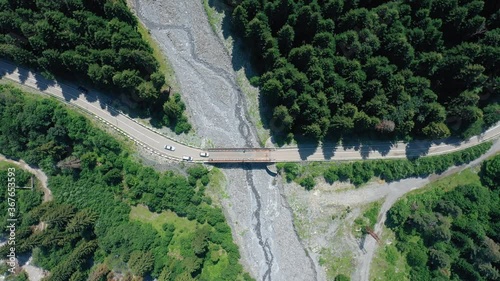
(241, 161)
(241, 149)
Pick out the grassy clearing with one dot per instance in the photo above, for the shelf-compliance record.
(183, 226)
(219, 259)
(214, 18)
(335, 264)
(252, 97)
(367, 219)
(389, 264)
(302, 225)
(142, 214)
(467, 176)
(165, 66)
(371, 213)
(216, 188)
(5, 165)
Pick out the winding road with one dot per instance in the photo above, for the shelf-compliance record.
(94, 103)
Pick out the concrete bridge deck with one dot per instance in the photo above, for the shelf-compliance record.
(239, 155)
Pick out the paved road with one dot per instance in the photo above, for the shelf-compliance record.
(156, 142)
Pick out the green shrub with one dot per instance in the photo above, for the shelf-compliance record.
(391, 170)
(308, 182)
(292, 171)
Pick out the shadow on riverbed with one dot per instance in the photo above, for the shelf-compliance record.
(269, 167)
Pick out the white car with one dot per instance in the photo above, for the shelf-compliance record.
(187, 158)
(169, 147)
(204, 154)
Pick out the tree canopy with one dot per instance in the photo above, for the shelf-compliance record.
(400, 69)
(94, 42)
(451, 235)
(96, 182)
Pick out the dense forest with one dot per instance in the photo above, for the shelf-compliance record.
(398, 69)
(96, 182)
(454, 234)
(94, 42)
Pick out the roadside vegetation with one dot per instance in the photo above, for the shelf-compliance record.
(361, 172)
(26, 200)
(94, 42)
(30, 198)
(392, 70)
(451, 230)
(367, 219)
(92, 228)
(388, 263)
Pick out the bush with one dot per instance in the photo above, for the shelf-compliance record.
(342, 277)
(490, 172)
(331, 175)
(417, 256)
(308, 182)
(391, 170)
(292, 171)
(255, 81)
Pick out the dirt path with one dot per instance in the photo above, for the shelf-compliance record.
(324, 219)
(34, 273)
(40, 175)
(393, 192)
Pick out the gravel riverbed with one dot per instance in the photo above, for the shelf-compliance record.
(259, 217)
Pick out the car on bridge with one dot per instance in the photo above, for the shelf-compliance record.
(169, 147)
(204, 154)
(187, 158)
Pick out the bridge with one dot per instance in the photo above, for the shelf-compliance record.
(154, 141)
(240, 155)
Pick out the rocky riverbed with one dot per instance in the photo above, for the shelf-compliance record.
(260, 220)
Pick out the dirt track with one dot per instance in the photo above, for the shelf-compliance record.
(34, 273)
(40, 175)
(314, 210)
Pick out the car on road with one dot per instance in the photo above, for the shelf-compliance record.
(169, 147)
(187, 158)
(83, 89)
(204, 154)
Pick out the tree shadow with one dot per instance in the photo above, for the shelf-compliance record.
(69, 92)
(351, 143)
(361, 244)
(242, 55)
(330, 146)
(417, 148)
(23, 75)
(73, 88)
(23, 258)
(6, 68)
(382, 148)
(329, 150)
(306, 147)
(43, 83)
